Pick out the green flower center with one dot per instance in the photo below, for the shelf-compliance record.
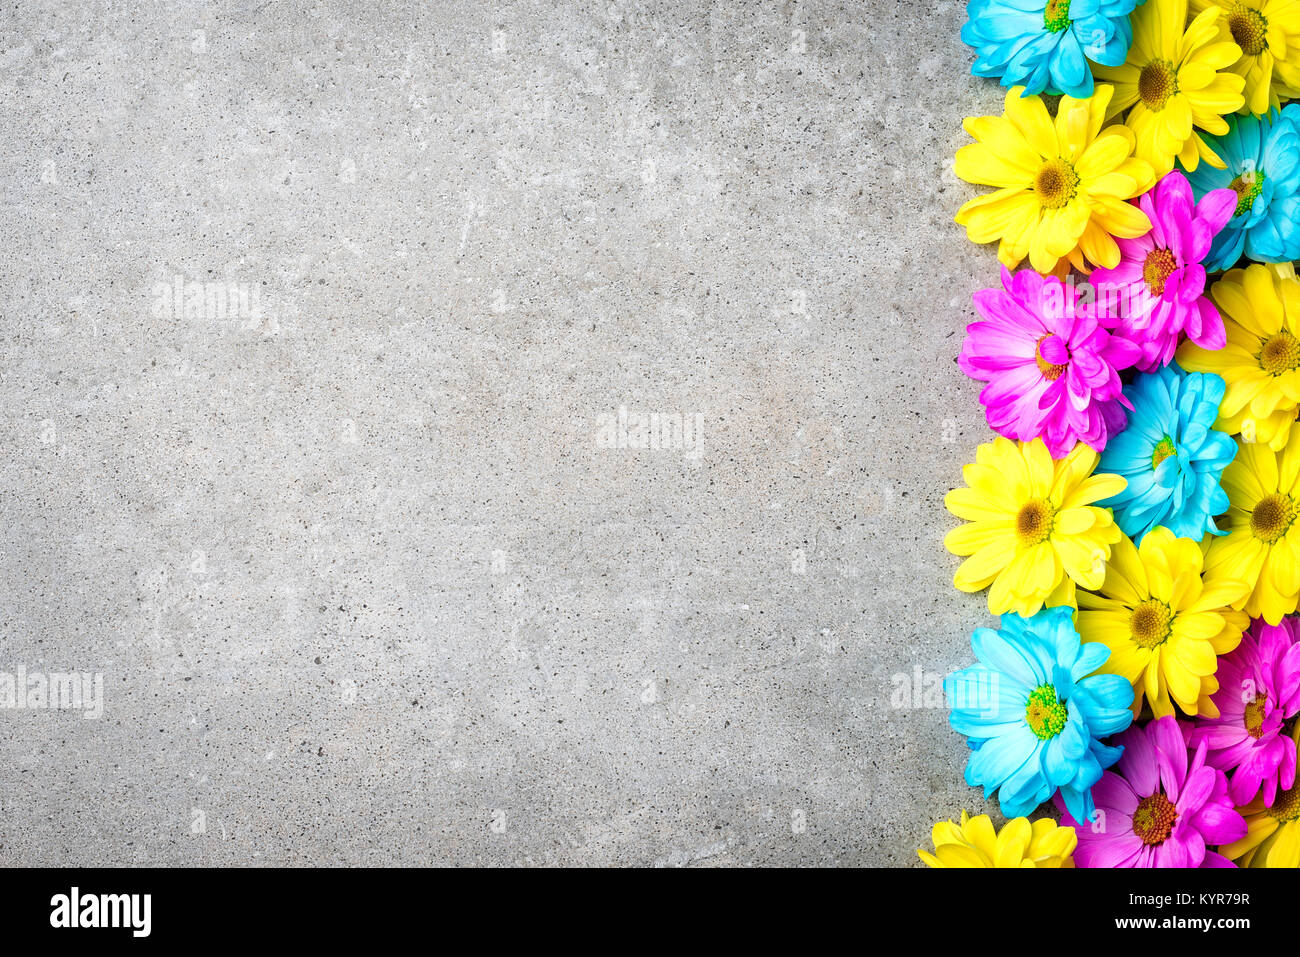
(1056, 184)
(1159, 266)
(1150, 623)
(1272, 517)
(1157, 83)
(1153, 820)
(1045, 715)
(1034, 522)
(1249, 28)
(1247, 186)
(1253, 717)
(1164, 448)
(1056, 15)
(1286, 806)
(1280, 353)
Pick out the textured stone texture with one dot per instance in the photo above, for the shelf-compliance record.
(362, 582)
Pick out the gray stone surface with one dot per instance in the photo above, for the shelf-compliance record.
(361, 578)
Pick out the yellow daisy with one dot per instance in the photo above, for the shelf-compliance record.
(1164, 623)
(1268, 32)
(1262, 546)
(1260, 306)
(1032, 531)
(1177, 82)
(1272, 834)
(1062, 185)
(975, 843)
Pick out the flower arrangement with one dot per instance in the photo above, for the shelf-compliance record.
(1134, 519)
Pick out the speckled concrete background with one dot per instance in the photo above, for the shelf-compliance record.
(364, 580)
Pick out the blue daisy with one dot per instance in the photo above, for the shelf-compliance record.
(1045, 46)
(1171, 455)
(1033, 712)
(1262, 154)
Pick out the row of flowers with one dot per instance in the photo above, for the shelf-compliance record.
(1134, 520)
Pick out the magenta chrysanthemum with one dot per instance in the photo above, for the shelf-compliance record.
(1259, 688)
(1160, 810)
(1158, 289)
(1050, 365)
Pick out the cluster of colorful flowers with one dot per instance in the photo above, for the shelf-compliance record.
(1135, 520)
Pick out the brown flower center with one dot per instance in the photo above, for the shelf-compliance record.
(1157, 83)
(1254, 715)
(1286, 806)
(1272, 517)
(1159, 266)
(1034, 522)
(1249, 29)
(1056, 183)
(1153, 821)
(1150, 623)
(1280, 353)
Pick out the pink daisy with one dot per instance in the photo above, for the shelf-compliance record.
(1050, 365)
(1259, 688)
(1158, 289)
(1159, 810)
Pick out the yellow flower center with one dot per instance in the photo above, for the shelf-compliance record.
(1157, 82)
(1153, 820)
(1159, 266)
(1286, 806)
(1045, 715)
(1254, 713)
(1247, 186)
(1056, 183)
(1272, 517)
(1056, 15)
(1279, 353)
(1249, 29)
(1150, 623)
(1164, 448)
(1051, 370)
(1034, 522)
